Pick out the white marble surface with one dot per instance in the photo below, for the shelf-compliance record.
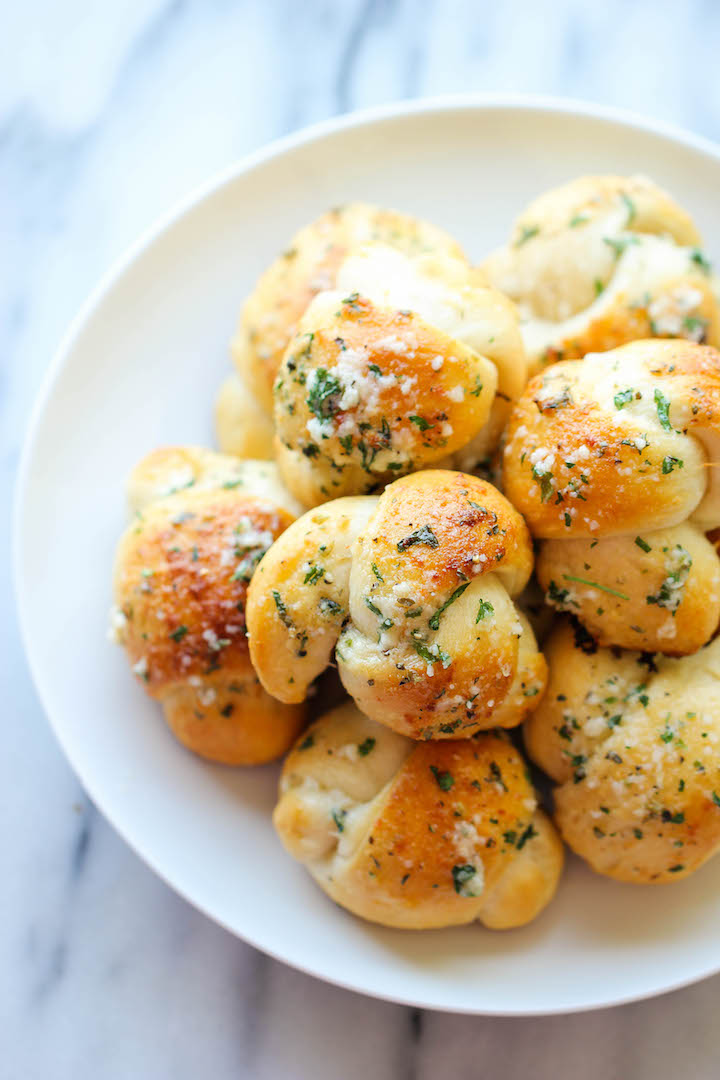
(108, 114)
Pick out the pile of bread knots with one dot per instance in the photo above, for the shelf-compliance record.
(485, 499)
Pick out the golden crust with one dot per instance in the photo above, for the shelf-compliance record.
(656, 592)
(309, 266)
(633, 744)
(417, 835)
(408, 363)
(360, 398)
(415, 587)
(618, 442)
(180, 581)
(602, 261)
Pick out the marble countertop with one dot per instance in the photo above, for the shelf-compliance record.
(108, 114)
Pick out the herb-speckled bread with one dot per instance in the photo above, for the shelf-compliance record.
(612, 461)
(602, 261)
(417, 835)
(633, 743)
(202, 521)
(412, 591)
(308, 266)
(408, 361)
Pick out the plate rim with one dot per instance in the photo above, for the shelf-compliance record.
(367, 117)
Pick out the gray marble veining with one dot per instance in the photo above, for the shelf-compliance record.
(108, 114)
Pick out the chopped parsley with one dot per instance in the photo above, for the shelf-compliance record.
(642, 544)
(444, 780)
(485, 608)
(663, 410)
(527, 232)
(620, 243)
(432, 658)
(421, 422)
(281, 609)
(434, 621)
(544, 478)
(366, 746)
(595, 585)
(322, 397)
(314, 575)
(700, 261)
(461, 876)
(630, 207)
(423, 535)
(670, 463)
(179, 634)
(624, 397)
(338, 817)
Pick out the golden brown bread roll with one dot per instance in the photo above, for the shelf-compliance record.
(417, 835)
(413, 591)
(202, 522)
(309, 266)
(618, 442)
(634, 744)
(613, 462)
(602, 261)
(408, 361)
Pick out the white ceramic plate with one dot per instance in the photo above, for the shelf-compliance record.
(140, 367)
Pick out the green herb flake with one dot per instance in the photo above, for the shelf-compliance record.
(700, 261)
(313, 575)
(670, 463)
(421, 422)
(643, 544)
(544, 478)
(444, 780)
(366, 746)
(461, 875)
(484, 610)
(630, 207)
(281, 609)
(179, 634)
(663, 410)
(624, 397)
(423, 535)
(434, 621)
(322, 397)
(432, 658)
(527, 232)
(595, 585)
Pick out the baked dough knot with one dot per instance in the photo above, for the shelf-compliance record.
(202, 522)
(409, 362)
(601, 261)
(633, 743)
(417, 835)
(412, 592)
(613, 461)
